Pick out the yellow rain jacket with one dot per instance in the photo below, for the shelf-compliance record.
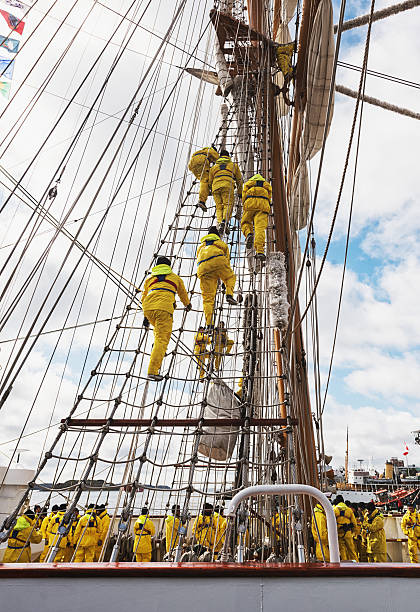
(204, 530)
(104, 521)
(19, 543)
(321, 522)
(200, 343)
(376, 540)
(213, 263)
(222, 342)
(44, 531)
(53, 528)
(284, 58)
(158, 301)
(89, 536)
(346, 525)
(199, 165)
(220, 531)
(143, 532)
(410, 526)
(222, 178)
(161, 288)
(171, 528)
(256, 198)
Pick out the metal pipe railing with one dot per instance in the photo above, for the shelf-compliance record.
(293, 489)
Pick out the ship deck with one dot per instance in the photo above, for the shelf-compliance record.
(107, 587)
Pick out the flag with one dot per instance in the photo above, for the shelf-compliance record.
(405, 453)
(11, 45)
(5, 88)
(6, 68)
(19, 8)
(13, 22)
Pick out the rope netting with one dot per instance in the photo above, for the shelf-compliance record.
(134, 201)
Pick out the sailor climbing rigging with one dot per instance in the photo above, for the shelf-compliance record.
(256, 198)
(199, 165)
(222, 179)
(213, 263)
(158, 299)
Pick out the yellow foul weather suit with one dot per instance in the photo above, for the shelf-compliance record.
(86, 537)
(410, 526)
(104, 521)
(44, 532)
(220, 532)
(65, 551)
(321, 538)
(200, 342)
(200, 165)
(213, 263)
(19, 543)
(256, 199)
(158, 298)
(204, 530)
(143, 532)
(346, 525)
(222, 178)
(171, 529)
(284, 58)
(376, 540)
(221, 343)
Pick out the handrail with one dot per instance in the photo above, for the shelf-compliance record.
(295, 489)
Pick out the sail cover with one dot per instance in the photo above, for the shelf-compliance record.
(319, 73)
(219, 442)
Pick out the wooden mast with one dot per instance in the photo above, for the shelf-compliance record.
(306, 462)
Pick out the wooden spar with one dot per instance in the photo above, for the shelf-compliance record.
(257, 422)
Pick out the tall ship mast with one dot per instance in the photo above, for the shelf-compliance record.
(228, 431)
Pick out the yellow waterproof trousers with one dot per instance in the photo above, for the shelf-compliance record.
(224, 199)
(413, 547)
(318, 552)
(255, 220)
(144, 557)
(202, 174)
(347, 547)
(44, 554)
(17, 555)
(201, 357)
(162, 329)
(85, 554)
(208, 284)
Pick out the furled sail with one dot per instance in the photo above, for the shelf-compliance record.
(219, 442)
(318, 83)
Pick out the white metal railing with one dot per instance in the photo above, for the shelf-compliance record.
(293, 489)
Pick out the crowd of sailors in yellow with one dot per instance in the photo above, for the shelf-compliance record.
(361, 535)
(219, 175)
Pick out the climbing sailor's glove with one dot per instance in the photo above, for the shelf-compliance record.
(146, 323)
(188, 307)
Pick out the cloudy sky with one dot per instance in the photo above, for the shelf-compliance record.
(373, 388)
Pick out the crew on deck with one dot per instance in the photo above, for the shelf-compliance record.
(410, 526)
(21, 537)
(346, 525)
(320, 533)
(86, 536)
(144, 530)
(158, 301)
(376, 539)
(172, 523)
